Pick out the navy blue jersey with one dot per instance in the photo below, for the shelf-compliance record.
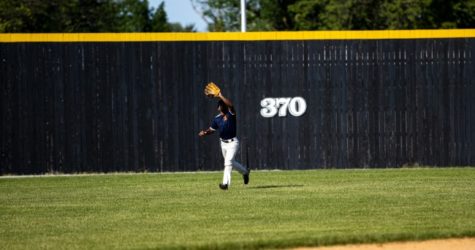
(227, 128)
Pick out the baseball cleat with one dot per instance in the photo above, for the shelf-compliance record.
(223, 186)
(246, 176)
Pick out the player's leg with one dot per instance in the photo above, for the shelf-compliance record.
(230, 154)
(227, 165)
(239, 167)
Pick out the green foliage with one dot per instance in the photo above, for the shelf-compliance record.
(134, 16)
(223, 15)
(277, 15)
(453, 13)
(306, 14)
(279, 209)
(177, 27)
(14, 15)
(358, 14)
(405, 14)
(84, 16)
(57, 16)
(159, 20)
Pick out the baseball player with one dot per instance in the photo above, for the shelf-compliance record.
(225, 124)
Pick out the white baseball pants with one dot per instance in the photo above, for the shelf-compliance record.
(229, 150)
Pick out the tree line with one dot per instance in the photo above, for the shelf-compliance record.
(85, 16)
(224, 15)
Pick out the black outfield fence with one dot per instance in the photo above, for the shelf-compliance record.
(86, 106)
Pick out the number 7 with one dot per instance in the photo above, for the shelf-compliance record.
(282, 104)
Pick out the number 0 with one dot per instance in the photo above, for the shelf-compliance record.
(297, 106)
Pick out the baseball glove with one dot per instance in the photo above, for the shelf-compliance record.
(212, 90)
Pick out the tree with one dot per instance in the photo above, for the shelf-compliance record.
(358, 14)
(14, 15)
(28, 15)
(276, 14)
(177, 27)
(220, 15)
(134, 16)
(85, 16)
(406, 14)
(307, 14)
(223, 15)
(452, 13)
(386, 14)
(159, 20)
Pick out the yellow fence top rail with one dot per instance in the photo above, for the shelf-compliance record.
(235, 36)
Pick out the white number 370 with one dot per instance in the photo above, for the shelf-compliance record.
(271, 106)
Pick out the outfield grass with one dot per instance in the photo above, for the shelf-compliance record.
(278, 209)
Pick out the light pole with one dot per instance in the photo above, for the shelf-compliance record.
(243, 15)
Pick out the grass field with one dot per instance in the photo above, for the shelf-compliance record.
(278, 209)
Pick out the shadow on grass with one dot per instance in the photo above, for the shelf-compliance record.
(275, 186)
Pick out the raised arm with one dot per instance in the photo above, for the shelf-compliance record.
(227, 102)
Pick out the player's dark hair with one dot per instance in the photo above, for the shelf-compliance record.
(224, 107)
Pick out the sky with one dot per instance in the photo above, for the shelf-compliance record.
(181, 11)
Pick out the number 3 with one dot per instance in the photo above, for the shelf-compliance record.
(268, 107)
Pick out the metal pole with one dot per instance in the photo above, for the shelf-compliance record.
(243, 15)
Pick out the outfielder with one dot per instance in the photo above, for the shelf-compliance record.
(225, 123)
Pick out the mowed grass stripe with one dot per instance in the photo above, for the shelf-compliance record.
(278, 209)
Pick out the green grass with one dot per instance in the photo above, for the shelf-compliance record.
(278, 209)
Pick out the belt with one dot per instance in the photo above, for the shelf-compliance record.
(229, 140)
